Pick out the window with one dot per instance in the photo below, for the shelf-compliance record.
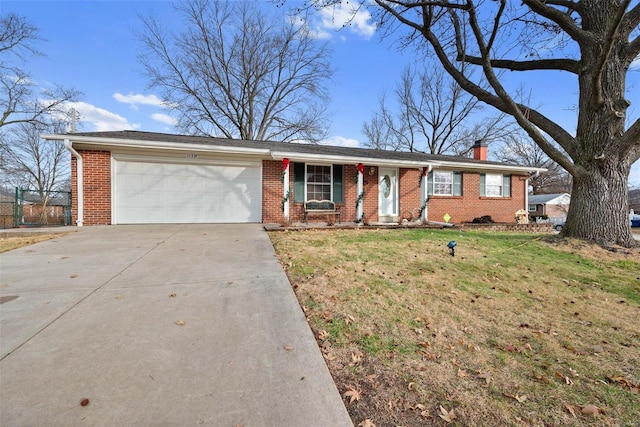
(533, 208)
(318, 182)
(495, 185)
(443, 183)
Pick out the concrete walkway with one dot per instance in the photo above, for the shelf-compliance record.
(158, 325)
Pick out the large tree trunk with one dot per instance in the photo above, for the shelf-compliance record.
(599, 209)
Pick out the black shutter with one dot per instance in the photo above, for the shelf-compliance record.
(298, 182)
(338, 192)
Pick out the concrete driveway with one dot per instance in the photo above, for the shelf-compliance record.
(158, 325)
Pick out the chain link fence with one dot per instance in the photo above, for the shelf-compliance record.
(32, 208)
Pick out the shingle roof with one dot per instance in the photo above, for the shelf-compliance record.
(544, 198)
(316, 149)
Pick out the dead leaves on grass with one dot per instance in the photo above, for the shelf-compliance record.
(565, 378)
(619, 379)
(486, 376)
(423, 410)
(586, 410)
(517, 397)
(356, 359)
(448, 416)
(352, 394)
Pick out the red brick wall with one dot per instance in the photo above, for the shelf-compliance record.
(272, 191)
(461, 209)
(97, 187)
(470, 205)
(97, 194)
(409, 188)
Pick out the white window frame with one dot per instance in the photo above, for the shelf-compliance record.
(436, 183)
(488, 185)
(535, 207)
(306, 173)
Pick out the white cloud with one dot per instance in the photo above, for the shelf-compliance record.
(100, 119)
(354, 18)
(135, 99)
(164, 118)
(340, 141)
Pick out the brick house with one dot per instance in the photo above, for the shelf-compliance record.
(131, 177)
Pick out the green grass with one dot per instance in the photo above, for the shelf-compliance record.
(522, 308)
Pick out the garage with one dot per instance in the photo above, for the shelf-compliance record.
(171, 191)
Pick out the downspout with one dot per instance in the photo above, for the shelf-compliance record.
(79, 181)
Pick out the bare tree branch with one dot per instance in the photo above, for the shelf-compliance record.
(565, 22)
(559, 64)
(631, 52)
(236, 72)
(631, 20)
(21, 99)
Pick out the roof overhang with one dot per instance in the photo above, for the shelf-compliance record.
(139, 144)
(267, 153)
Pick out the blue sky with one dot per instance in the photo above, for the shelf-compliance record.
(91, 46)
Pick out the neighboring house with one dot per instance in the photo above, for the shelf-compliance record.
(7, 203)
(554, 206)
(634, 200)
(55, 211)
(131, 177)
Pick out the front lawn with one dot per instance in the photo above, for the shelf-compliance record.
(11, 243)
(523, 330)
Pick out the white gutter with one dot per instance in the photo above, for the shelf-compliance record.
(79, 180)
(485, 166)
(128, 143)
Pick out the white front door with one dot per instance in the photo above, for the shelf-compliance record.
(388, 194)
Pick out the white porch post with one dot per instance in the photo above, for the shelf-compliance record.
(285, 192)
(360, 190)
(424, 193)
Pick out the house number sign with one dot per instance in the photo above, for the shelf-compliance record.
(191, 156)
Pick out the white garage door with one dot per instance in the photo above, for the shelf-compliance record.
(161, 193)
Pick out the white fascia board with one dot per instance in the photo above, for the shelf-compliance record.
(132, 143)
(321, 158)
(488, 167)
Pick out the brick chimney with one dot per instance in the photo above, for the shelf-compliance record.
(480, 150)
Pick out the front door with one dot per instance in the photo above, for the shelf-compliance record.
(388, 195)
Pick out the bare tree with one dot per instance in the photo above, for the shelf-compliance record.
(432, 115)
(27, 161)
(595, 41)
(235, 72)
(21, 100)
(520, 149)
